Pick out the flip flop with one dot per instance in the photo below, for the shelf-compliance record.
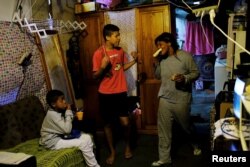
(128, 155)
(110, 160)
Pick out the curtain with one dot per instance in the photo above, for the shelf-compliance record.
(199, 38)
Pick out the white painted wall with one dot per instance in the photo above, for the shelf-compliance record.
(8, 7)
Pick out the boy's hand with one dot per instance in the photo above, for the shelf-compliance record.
(134, 54)
(105, 62)
(68, 107)
(178, 77)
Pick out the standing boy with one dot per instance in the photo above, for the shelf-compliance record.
(177, 70)
(58, 123)
(109, 64)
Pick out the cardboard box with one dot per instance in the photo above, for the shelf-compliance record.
(225, 108)
(89, 6)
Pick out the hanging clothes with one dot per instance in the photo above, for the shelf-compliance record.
(199, 38)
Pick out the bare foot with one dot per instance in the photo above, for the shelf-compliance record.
(128, 153)
(110, 160)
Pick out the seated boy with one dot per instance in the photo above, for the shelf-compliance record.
(58, 122)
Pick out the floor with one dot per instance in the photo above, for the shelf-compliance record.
(202, 102)
(145, 148)
(146, 152)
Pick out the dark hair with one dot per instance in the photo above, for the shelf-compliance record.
(52, 96)
(109, 29)
(167, 37)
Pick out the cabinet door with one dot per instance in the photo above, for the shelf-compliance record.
(90, 40)
(152, 21)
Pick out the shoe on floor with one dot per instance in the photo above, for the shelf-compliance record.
(160, 163)
(197, 151)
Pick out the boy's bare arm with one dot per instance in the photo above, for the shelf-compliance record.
(134, 54)
(101, 71)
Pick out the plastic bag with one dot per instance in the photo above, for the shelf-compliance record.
(221, 52)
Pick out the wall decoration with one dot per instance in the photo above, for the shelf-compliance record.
(206, 66)
(40, 26)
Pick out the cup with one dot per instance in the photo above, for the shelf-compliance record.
(79, 115)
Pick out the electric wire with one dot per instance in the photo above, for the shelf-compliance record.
(187, 5)
(198, 5)
(212, 16)
(203, 30)
(30, 9)
(176, 4)
(21, 85)
(225, 128)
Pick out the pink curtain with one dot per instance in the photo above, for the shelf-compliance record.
(198, 42)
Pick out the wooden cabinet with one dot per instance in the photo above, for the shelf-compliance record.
(151, 21)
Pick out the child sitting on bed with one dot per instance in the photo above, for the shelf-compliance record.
(58, 123)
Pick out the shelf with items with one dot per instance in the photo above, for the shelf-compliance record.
(237, 23)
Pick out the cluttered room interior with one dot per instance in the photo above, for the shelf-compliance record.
(63, 45)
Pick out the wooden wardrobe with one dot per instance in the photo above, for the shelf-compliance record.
(151, 21)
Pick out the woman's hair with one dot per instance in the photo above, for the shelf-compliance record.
(109, 29)
(52, 96)
(167, 37)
